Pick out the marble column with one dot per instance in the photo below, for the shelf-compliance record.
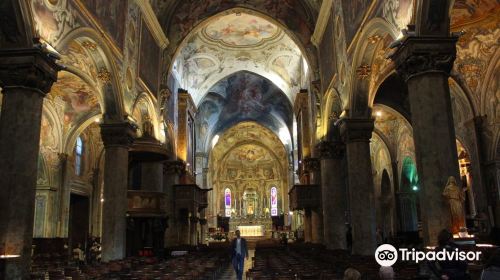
(117, 137)
(26, 76)
(203, 226)
(356, 134)
(333, 191)
(307, 226)
(425, 64)
(317, 226)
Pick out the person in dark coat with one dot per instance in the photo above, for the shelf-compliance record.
(239, 252)
(449, 269)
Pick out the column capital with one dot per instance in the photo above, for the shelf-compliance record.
(418, 55)
(32, 68)
(311, 164)
(356, 130)
(117, 134)
(331, 149)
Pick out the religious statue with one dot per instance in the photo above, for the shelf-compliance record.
(148, 129)
(455, 196)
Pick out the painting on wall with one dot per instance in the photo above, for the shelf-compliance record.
(79, 98)
(149, 59)
(291, 13)
(112, 16)
(243, 96)
(354, 12)
(241, 30)
(465, 11)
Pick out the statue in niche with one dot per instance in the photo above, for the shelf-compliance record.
(147, 128)
(456, 197)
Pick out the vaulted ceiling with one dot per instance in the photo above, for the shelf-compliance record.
(235, 42)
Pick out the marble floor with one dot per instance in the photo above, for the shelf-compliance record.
(230, 274)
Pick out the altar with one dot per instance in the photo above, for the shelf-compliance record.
(251, 231)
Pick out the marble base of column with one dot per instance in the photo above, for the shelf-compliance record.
(333, 192)
(357, 134)
(26, 75)
(117, 138)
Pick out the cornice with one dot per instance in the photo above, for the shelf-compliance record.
(152, 22)
(324, 14)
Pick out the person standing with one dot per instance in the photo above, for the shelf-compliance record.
(239, 252)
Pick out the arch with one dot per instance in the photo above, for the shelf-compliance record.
(205, 19)
(213, 80)
(102, 56)
(358, 102)
(150, 103)
(94, 117)
(330, 111)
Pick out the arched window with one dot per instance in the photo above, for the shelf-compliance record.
(78, 156)
(227, 202)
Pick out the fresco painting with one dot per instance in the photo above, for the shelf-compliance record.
(78, 97)
(241, 30)
(112, 16)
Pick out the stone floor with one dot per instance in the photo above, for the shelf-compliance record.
(230, 274)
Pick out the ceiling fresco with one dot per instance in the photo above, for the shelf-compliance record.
(243, 96)
(241, 30)
(78, 98)
(466, 11)
(237, 42)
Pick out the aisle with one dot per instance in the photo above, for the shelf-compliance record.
(230, 274)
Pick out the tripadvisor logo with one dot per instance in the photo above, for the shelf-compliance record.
(387, 255)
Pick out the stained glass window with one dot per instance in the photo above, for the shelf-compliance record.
(78, 156)
(227, 202)
(274, 201)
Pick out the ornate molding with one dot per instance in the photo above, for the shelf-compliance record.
(356, 130)
(154, 25)
(418, 55)
(331, 149)
(117, 134)
(324, 15)
(28, 68)
(363, 71)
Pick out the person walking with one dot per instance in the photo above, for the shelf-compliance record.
(239, 252)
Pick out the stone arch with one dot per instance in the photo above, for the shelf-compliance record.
(201, 17)
(69, 144)
(330, 112)
(363, 57)
(107, 71)
(148, 106)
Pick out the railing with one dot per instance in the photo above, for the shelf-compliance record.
(190, 196)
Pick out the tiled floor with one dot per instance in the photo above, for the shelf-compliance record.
(230, 274)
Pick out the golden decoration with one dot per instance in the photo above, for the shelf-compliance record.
(104, 75)
(374, 39)
(364, 71)
(89, 45)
